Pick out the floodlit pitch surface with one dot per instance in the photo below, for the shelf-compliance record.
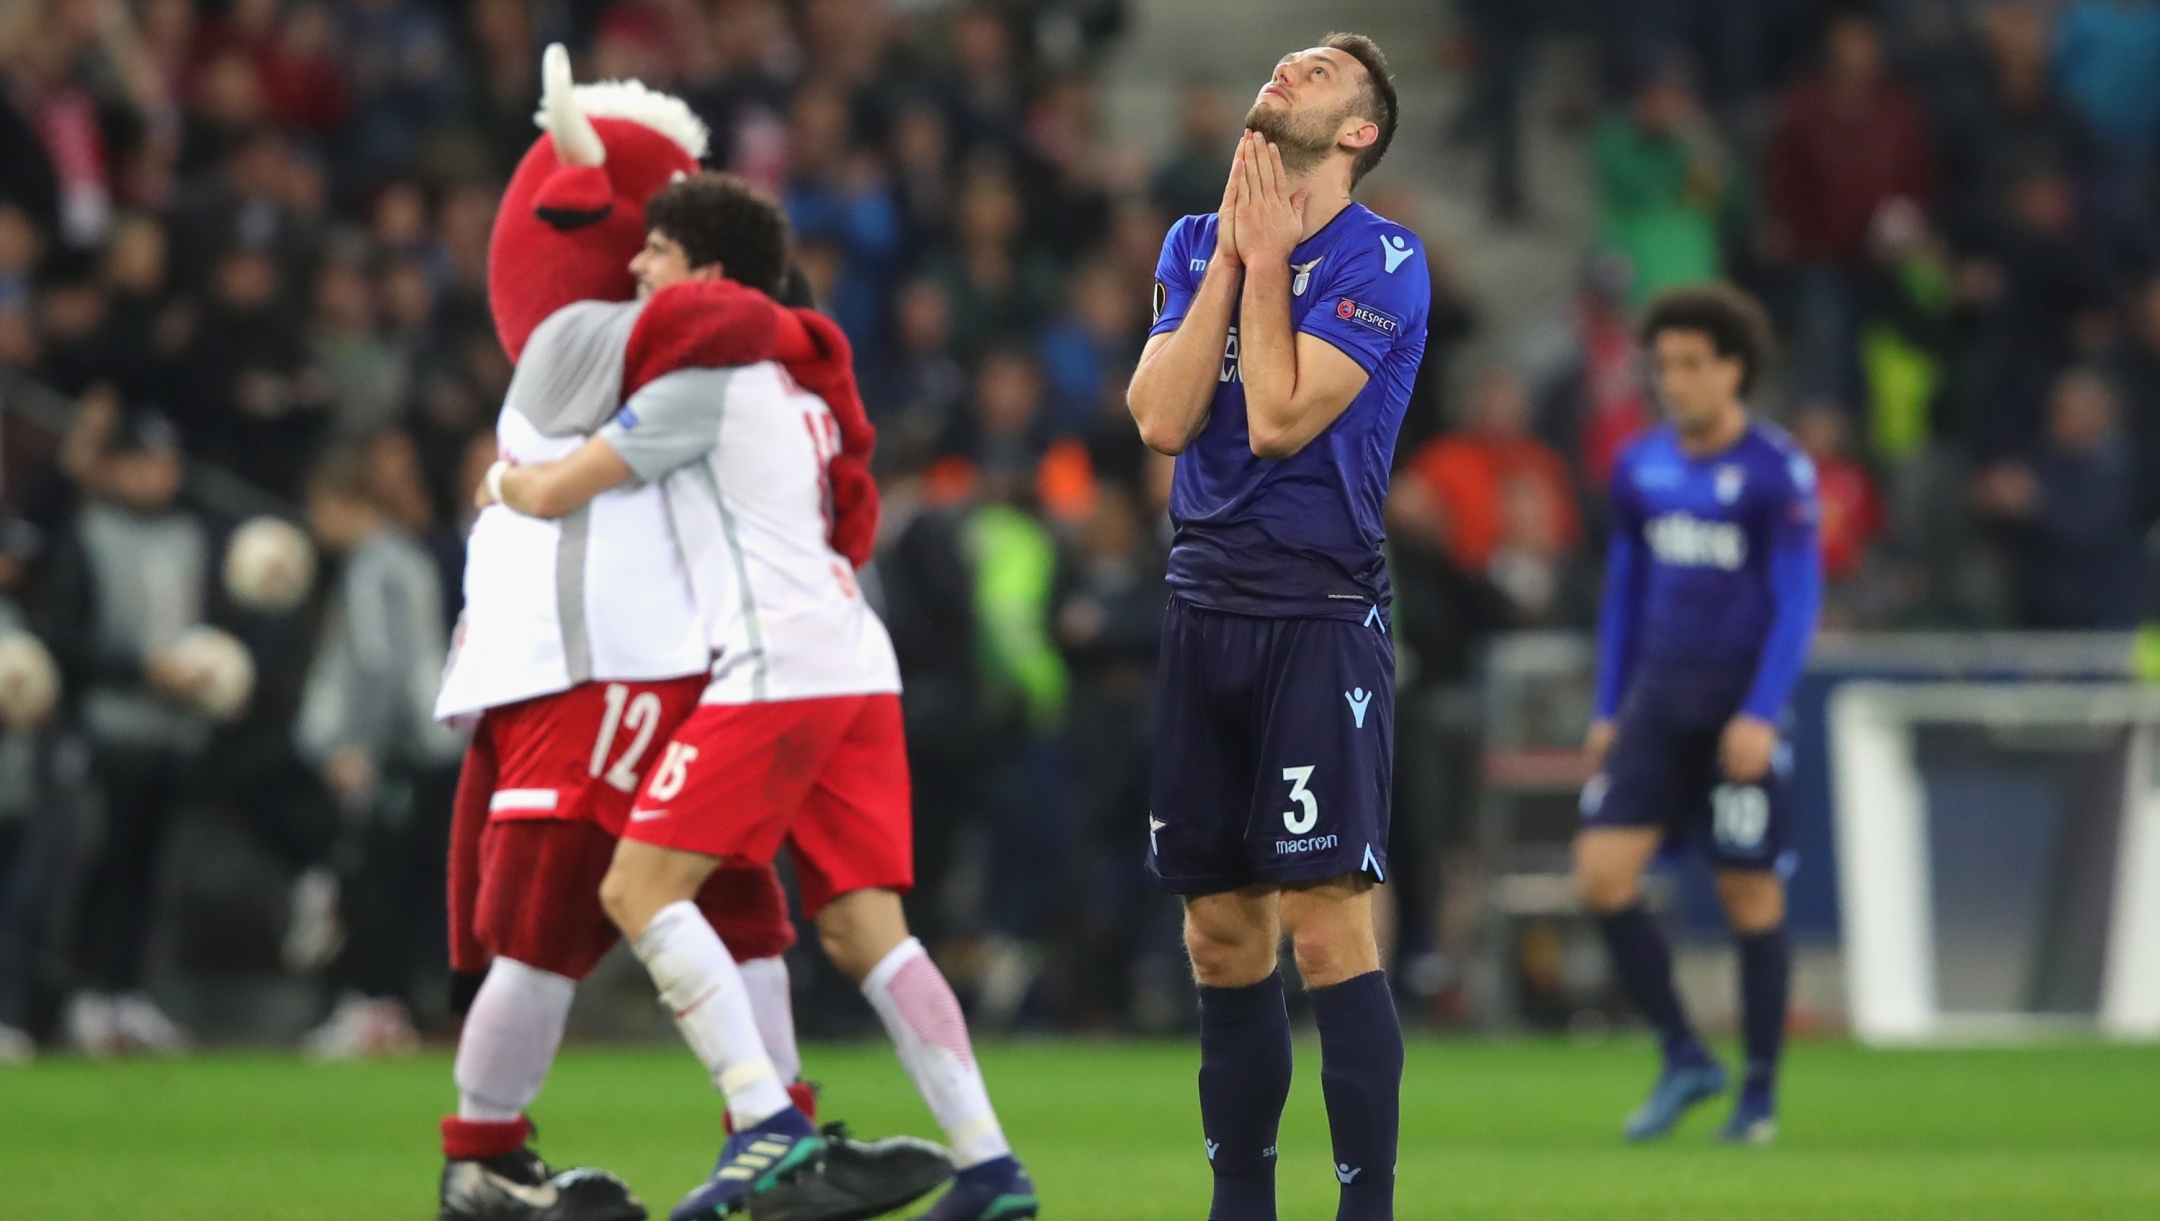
(1491, 1130)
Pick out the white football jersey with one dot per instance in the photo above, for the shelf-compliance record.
(599, 594)
(741, 456)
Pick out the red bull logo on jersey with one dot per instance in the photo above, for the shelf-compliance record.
(1687, 541)
(1367, 316)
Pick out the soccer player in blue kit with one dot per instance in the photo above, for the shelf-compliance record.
(1712, 587)
(1288, 330)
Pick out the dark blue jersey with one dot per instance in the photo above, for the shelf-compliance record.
(1300, 537)
(1714, 569)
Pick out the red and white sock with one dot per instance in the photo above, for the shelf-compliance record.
(923, 1017)
(511, 1035)
(702, 987)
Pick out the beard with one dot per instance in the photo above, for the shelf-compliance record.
(1305, 139)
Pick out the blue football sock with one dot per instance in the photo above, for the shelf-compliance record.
(1765, 992)
(1244, 1082)
(1361, 1063)
(1643, 962)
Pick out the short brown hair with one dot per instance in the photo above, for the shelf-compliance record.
(1376, 101)
(719, 218)
(1735, 323)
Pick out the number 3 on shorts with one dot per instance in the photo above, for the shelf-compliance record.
(1307, 815)
(674, 769)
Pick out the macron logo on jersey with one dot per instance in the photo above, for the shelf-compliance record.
(1686, 541)
(1394, 248)
(1368, 317)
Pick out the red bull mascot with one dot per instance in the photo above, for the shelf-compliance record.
(579, 649)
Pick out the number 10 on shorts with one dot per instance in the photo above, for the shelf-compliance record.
(1307, 815)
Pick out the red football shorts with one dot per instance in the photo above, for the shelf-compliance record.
(567, 768)
(539, 900)
(581, 754)
(827, 777)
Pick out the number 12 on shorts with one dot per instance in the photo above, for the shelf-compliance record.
(641, 717)
(1307, 815)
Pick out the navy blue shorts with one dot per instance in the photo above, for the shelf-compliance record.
(1274, 760)
(1663, 772)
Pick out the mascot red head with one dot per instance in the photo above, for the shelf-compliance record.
(573, 215)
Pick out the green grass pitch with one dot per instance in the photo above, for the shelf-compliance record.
(1490, 1130)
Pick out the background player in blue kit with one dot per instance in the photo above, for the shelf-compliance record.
(1288, 330)
(1712, 587)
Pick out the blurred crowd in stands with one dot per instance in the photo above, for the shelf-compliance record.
(245, 242)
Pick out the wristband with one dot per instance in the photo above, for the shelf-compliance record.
(493, 481)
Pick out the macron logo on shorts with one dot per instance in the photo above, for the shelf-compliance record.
(647, 815)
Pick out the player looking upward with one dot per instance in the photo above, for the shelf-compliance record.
(796, 739)
(1712, 586)
(1288, 330)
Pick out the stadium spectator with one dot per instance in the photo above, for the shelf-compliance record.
(2006, 125)
(1909, 315)
(2072, 515)
(365, 376)
(922, 158)
(837, 195)
(131, 580)
(42, 768)
(2104, 56)
(366, 721)
(1188, 182)
(1108, 620)
(1845, 142)
(919, 398)
(1000, 285)
(404, 80)
(1470, 477)
(245, 388)
(1067, 175)
(2043, 296)
(1664, 183)
(984, 91)
(2133, 367)
(1087, 348)
(1852, 510)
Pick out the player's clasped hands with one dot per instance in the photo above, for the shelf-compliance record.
(1261, 218)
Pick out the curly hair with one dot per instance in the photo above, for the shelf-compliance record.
(719, 218)
(1735, 322)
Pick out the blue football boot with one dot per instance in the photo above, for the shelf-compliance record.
(765, 1154)
(996, 1190)
(1753, 1120)
(1678, 1088)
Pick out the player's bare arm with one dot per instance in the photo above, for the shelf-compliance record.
(1295, 384)
(1175, 382)
(558, 488)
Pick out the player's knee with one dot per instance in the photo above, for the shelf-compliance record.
(1329, 953)
(1604, 890)
(1320, 960)
(1227, 958)
(618, 899)
(1754, 903)
(858, 929)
